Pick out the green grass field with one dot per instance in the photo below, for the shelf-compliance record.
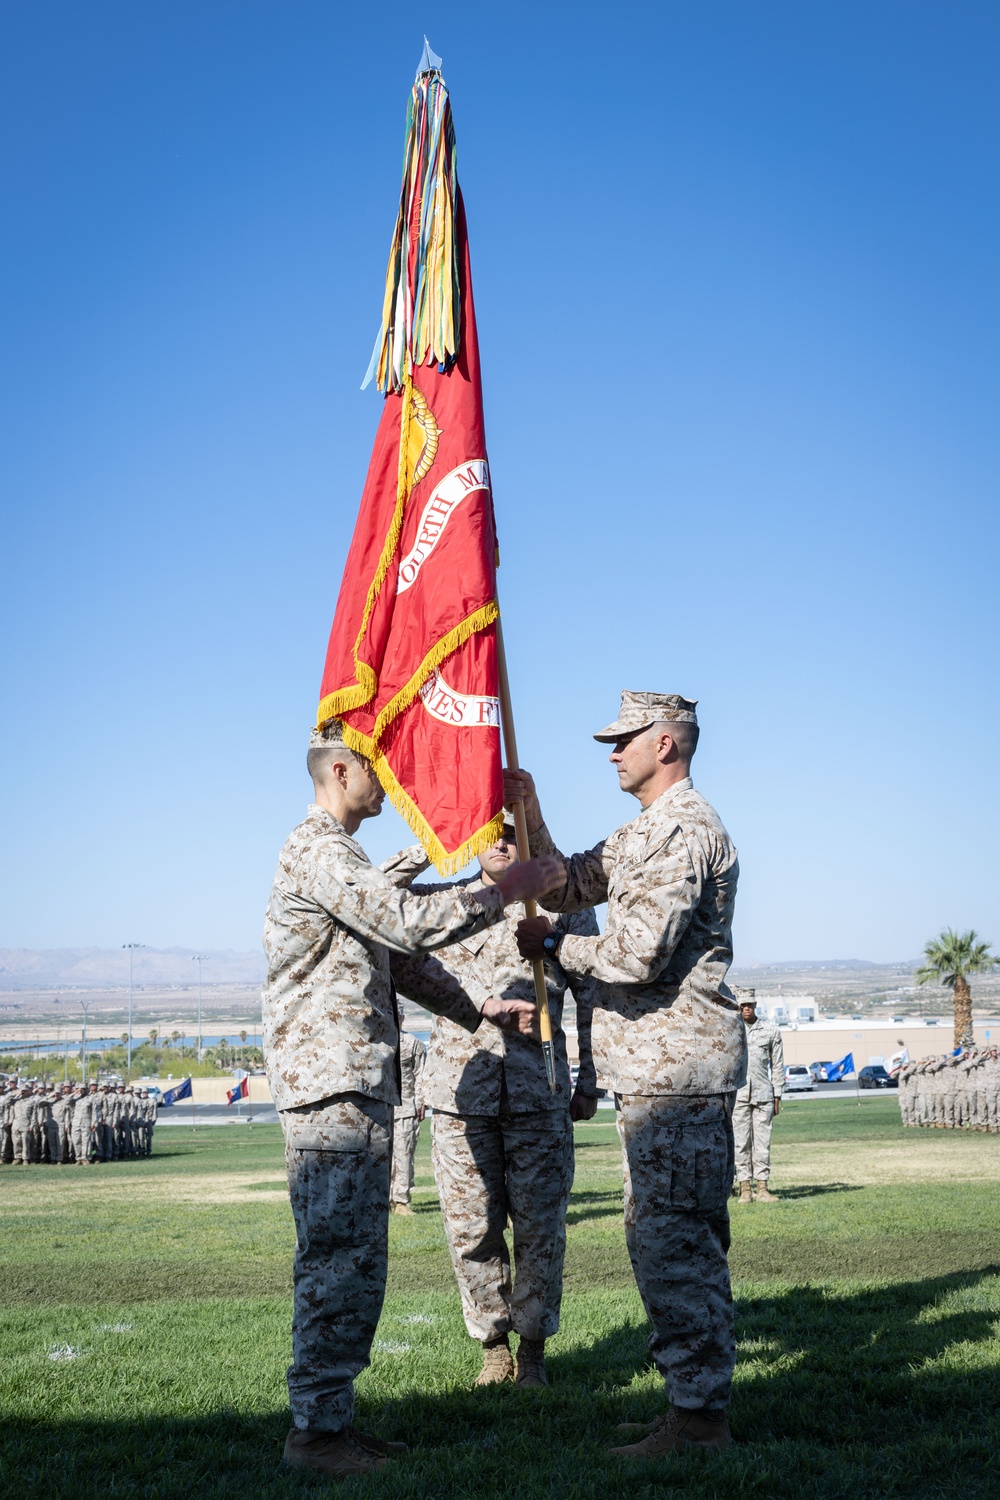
(145, 1330)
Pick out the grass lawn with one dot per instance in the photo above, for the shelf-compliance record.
(146, 1315)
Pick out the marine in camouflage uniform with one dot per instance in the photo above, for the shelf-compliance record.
(337, 933)
(758, 1101)
(25, 1140)
(502, 1142)
(7, 1101)
(406, 1120)
(87, 1126)
(668, 1035)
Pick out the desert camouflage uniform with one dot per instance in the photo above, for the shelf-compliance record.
(907, 1096)
(147, 1125)
(753, 1111)
(23, 1129)
(48, 1130)
(502, 1142)
(406, 1117)
(86, 1127)
(7, 1101)
(62, 1114)
(337, 932)
(669, 1037)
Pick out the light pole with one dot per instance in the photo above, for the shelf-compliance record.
(83, 1061)
(199, 959)
(128, 1052)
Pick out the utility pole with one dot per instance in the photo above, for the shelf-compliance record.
(128, 1053)
(199, 959)
(83, 1060)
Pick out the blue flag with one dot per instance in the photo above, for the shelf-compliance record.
(175, 1095)
(840, 1069)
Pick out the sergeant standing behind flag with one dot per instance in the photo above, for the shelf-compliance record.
(336, 931)
(668, 1035)
(502, 1141)
(406, 1118)
(757, 1102)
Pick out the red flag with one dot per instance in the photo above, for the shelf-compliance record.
(411, 668)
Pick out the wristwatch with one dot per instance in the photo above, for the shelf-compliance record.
(551, 943)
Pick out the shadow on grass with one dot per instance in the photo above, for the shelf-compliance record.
(888, 1391)
(819, 1190)
(594, 1205)
(816, 1364)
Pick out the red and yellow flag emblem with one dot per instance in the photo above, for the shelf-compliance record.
(411, 667)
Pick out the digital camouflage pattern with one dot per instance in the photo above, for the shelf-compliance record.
(501, 1140)
(665, 1022)
(468, 1075)
(406, 1117)
(952, 1093)
(337, 1154)
(753, 1110)
(678, 1158)
(490, 1168)
(333, 923)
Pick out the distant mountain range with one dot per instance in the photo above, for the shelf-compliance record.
(107, 968)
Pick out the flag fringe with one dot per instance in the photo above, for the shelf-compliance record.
(366, 684)
(445, 861)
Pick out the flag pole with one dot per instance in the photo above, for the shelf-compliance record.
(524, 853)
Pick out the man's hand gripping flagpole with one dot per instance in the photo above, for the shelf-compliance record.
(523, 854)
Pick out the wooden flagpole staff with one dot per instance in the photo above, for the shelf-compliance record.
(524, 853)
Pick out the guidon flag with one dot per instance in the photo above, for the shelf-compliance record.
(241, 1091)
(411, 668)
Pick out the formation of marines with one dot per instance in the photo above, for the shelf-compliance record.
(77, 1123)
(342, 938)
(956, 1092)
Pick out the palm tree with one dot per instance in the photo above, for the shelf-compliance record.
(152, 1037)
(175, 1037)
(949, 959)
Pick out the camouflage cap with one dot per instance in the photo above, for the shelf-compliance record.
(639, 710)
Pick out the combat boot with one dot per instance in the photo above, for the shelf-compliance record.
(677, 1430)
(339, 1454)
(531, 1363)
(764, 1194)
(746, 1193)
(497, 1363)
(401, 1208)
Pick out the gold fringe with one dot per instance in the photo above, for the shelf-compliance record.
(480, 619)
(447, 862)
(366, 685)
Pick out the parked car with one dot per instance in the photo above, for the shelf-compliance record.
(798, 1078)
(875, 1077)
(818, 1071)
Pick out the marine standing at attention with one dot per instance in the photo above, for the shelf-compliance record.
(502, 1142)
(337, 933)
(757, 1102)
(668, 1036)
(406, 1118)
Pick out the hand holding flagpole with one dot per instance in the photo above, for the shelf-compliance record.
(524, 853)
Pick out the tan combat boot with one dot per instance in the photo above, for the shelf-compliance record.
(763, 1193)
(339, 1454)
(746, 1193)
(400, 1208)
(680, 1429)
(531, 1363)
(497, 1363)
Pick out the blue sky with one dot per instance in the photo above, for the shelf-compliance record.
(735, 269)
